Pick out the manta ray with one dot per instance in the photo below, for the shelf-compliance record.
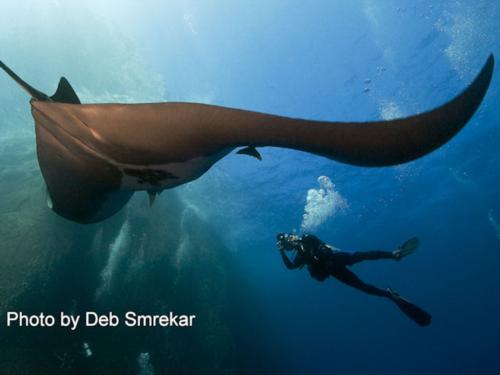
(93, 157)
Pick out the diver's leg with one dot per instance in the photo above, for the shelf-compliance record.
(348, 277)
(412, 311)
(348, 259)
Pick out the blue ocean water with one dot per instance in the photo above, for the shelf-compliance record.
(344, 61)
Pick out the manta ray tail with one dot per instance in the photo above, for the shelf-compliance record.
(64, 92)
(35, 94)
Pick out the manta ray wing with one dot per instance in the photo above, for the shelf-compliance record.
(381, 143)
(94, 156)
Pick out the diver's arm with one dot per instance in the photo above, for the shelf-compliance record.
(288, 263)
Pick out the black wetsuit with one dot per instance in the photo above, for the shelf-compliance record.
(323, 261)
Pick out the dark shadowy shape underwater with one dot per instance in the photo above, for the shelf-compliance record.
(93, 157)
(323, 260)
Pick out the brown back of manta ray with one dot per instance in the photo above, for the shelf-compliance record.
(94, 156)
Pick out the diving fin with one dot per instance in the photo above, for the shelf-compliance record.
(65, 93)
(412, 311)
(250, 151)
(406, 248)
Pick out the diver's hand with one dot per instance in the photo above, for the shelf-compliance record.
(287, 241)
(279, 240)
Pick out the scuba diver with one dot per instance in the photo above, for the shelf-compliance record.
(324, 260)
